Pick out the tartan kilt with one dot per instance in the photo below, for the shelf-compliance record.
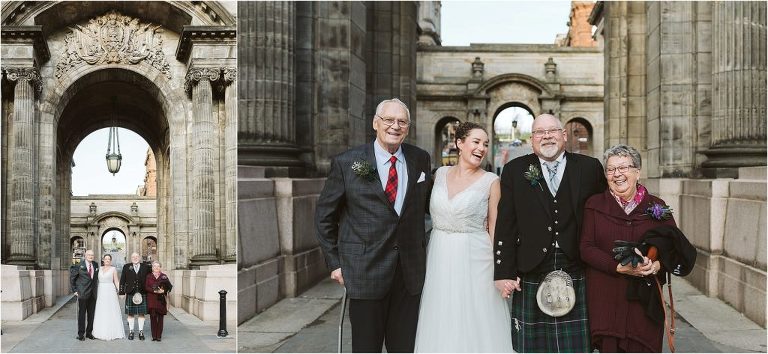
(535, 331)
(133, 309)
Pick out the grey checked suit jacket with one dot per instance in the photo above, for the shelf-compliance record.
(360, 232)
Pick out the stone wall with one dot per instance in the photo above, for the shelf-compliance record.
(279, 253)
(725, 219)
(685, 85)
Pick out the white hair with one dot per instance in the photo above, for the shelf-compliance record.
(394, 100)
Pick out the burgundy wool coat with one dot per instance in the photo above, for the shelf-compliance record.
(610, 313)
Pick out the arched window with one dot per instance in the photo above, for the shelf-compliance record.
(445, 147)
(77, 245)
(579, 133)
(149, 249)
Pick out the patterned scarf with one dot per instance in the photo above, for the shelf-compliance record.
(630, 205)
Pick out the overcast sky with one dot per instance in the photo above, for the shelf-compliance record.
(465, 22)
(462, 23)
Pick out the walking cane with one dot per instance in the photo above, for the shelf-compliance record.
(341, 318)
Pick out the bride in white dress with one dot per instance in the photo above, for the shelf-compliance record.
(461, 310)
(108, 319)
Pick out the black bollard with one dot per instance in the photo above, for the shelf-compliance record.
(222, 314)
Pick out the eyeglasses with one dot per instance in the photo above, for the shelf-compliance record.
(542, 132)
(391, 121)
(621, 169)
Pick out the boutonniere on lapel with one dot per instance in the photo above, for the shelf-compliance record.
(533, 175)
(659, 211)
(364, 169)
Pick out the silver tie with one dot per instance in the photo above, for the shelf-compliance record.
(553, 182)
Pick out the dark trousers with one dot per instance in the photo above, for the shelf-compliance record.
(156, 324)
(393, 318)
(85, 307)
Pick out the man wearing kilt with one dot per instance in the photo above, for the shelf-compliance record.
(132, 282)
(538, 231)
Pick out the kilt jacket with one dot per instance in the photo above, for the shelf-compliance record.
(130, 281)
(524, 226)
(360, 232)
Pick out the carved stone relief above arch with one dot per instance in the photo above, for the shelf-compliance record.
(113, 38)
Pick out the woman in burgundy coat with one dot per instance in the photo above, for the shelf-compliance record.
(157, 286)
(617, 324)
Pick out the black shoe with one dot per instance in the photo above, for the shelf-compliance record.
(130, 335)
(154, 339)
(90, 336)
(80, 337)
(141, 335)
(159, 340)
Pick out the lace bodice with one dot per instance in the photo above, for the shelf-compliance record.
(467, 211)
(106, 277)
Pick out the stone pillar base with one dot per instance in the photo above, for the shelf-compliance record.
(740, 285)
(724, 161)
(197, 291)
(23, 292)
(259, 288)
(302, 271)
(277, 160)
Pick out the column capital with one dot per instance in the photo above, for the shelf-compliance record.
(196, 74)
(14, 74)
(230, 75)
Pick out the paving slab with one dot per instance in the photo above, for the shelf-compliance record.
(57, 332)
(704, 325)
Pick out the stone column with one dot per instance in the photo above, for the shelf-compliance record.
(266, 131)
(738, 88)
(21, 192)
(230, 164)
(203, 245)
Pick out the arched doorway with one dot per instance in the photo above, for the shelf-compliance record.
(113, 243)
(511, 133)
(445, 148)
(579, 133)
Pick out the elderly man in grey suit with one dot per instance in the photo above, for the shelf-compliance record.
(370, 224)
(84, 282)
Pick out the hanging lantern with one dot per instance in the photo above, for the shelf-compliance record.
(114, 158)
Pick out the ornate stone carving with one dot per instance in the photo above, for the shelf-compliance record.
(113, 38)
(230, 75)
(550, 69)
(25, 74)
(196, 74)
(114, 222)
(478, 68)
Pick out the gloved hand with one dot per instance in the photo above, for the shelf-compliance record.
(626, 252)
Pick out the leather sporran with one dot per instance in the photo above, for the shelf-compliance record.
(137, 299)
(556, 296)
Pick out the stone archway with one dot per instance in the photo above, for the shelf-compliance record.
(511, 125)
(170, 68)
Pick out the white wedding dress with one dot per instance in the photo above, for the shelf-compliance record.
(461, 310)
(107, 319)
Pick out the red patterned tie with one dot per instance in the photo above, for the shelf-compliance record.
(90, 270)
(391, 189)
